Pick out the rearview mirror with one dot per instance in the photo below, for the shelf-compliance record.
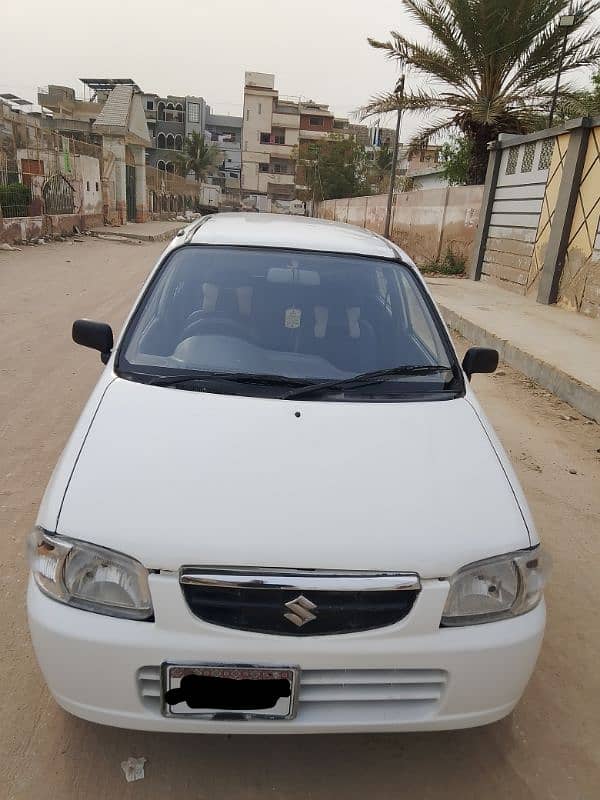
(480, 359)
(97, 335)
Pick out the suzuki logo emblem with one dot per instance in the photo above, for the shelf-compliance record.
(300, 611)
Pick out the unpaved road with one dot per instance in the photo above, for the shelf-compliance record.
(549, 748)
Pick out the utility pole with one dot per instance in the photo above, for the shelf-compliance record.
(399, 92)
(567, 22)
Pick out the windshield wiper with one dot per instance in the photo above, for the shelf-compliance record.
(227, 377)
(366, 379)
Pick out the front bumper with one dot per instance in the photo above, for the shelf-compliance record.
(406, 677)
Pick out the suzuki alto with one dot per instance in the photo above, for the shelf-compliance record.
(282, 509)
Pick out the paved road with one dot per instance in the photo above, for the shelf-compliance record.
(549, 748)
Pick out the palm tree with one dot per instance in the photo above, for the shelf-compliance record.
(199, 156)
(490, 66)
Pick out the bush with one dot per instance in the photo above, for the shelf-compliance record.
(450, 264)
(15, 199)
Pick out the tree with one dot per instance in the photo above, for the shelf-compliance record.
(334, 167)
(581, 103)
(199, 156)
(490, 67)
(455, 157)
(383, 165)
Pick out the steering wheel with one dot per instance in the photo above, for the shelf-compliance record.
(204, 322)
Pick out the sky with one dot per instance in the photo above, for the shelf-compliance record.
(317, 49)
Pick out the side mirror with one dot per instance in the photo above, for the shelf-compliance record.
(480, 359)
(97, 335)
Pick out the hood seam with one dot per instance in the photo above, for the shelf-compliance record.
(76, 461)
(512, 489)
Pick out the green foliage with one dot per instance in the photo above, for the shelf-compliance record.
(456, 156)
(15, 199)
(199, 156)
(450, 264)
(383, 160)
(489, 66)
(335, 167)
(579, 103)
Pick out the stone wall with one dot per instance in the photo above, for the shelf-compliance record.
(424, 223)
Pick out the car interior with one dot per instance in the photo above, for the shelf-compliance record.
(353, 316)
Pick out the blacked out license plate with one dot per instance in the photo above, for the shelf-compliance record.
(222, 692)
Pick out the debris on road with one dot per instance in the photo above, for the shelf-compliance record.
(133, 769)
(5, 246)
(573, 472)
(568, 417)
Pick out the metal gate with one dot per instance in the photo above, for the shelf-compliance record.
(130, 191)
(59, 196)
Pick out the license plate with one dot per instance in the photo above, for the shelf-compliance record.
(215, 691)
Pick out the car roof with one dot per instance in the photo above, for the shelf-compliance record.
(281, 230)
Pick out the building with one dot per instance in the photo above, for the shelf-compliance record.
(276, 138)
(113, 119)
(270, 138)
(171, 119)
(423, 167)
(225, 132)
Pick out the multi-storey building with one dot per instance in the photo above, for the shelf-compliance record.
(270, 138)
(225, 132)
(170, 121)
(276, 141)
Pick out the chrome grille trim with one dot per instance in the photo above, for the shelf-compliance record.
(300, 580)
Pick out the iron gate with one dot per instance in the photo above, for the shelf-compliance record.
(130, 191)
(59, 196)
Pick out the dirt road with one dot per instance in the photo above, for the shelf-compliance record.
(549, 748)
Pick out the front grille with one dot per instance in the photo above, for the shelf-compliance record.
(299, 604)
(332, 695)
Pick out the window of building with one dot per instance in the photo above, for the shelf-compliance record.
(339, 123)
(194, 112)
(260, 108)
(87, 186)
(97, 187)
(265, 138)
(279, 138)
(150, 105)
(316, 122)
(170, 142)
(233, 174)
(160, 140)
(277, 169)
(263, 167)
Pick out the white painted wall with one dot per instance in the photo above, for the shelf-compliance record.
(88, 170)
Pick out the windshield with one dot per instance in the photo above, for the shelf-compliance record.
(306, 316)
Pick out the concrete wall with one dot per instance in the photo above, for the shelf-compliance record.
(91, 187)
(425, 223)
(541, 222)
(22, 229)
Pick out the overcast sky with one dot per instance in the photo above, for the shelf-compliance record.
(316, 48)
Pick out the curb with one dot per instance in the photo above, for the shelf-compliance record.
(165, 236)
(584, 398)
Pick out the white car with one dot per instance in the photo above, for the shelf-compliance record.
(282, 509)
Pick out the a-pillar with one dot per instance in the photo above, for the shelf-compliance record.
(141, 207)
(115, 147)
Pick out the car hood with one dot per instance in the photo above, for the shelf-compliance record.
(175, 477)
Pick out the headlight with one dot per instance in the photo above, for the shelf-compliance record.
(89, 577)
(497, 588)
